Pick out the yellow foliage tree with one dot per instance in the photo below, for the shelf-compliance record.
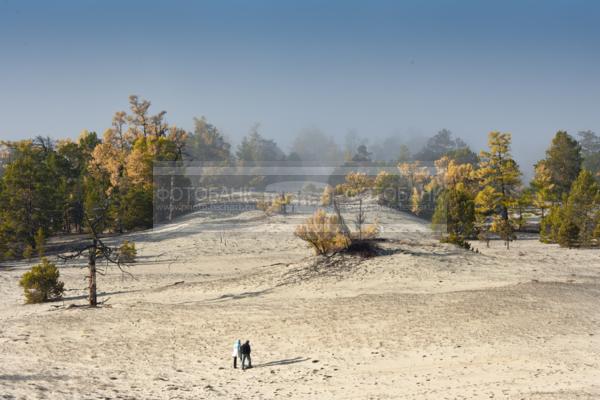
(543, 187)
(356, 185)
(417, 177)
(499, 178)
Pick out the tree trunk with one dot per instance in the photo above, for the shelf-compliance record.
(344, 228)
(93, 298)
(360, 219)
(171, 198)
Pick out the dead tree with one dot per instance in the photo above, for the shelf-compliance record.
(96, 250)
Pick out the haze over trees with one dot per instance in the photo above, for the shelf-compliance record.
(255, 148)
(314, 145)
(48, 187)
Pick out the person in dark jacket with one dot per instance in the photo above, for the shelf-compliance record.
(245, 350)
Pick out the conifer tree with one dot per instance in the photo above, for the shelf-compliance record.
(388, 186)
(550, 224)
(578, 221)
(563, 163)
(29, 196)
(454, 214)
(499, 177)
(542, 187)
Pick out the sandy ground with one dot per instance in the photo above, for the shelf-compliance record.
(423, 321)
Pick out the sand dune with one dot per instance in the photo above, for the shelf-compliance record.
(423, 321)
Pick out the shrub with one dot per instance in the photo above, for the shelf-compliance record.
(328, 196)
(276, 206)
(323, 232)
(369, 231)
(41, 283)
(280, 203)
(504, 228)
(127, 252)
(457, 240)
(263, 205)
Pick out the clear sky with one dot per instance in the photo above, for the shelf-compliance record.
(378, 67)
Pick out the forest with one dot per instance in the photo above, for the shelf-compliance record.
(51, 187)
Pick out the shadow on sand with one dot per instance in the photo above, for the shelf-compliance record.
(282, 362)
(32, 377)
(241, 295)
(99, 295)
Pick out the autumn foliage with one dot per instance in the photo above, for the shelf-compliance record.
(323, 233)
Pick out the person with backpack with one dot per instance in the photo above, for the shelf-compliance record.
(246, 350)
(237, 352)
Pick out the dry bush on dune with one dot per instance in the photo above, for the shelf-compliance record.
(278, 205)
(323, 232)
(369, 231)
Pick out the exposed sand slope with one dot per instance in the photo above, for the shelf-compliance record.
(425, 321)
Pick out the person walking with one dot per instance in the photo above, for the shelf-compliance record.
(246, 350)
(237, 352)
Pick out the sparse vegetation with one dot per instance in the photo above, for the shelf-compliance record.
(127, 252)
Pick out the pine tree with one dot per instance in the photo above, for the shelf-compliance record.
(568, 234)
(563, 162)
(499, 177)
(578, 221)
(29, 199)
(454, 215)
(207, 144)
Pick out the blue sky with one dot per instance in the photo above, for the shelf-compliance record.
(376, 67)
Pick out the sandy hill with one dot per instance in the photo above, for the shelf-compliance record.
(422, 321)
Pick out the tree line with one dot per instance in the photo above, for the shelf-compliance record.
(475, 196)
(57, 186)
(469, 196)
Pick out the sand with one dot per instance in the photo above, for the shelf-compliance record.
(422, 321)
